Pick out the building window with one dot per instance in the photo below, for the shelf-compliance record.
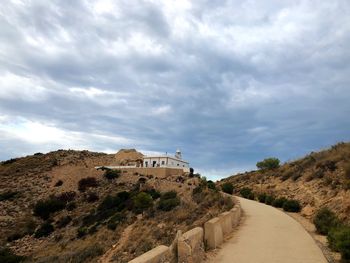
(178, 164)
(146, 163)
(163, 162)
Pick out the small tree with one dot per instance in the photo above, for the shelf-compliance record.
(292, 206)
(324, 220)
(44, 230)
(111, 174)
(268, 164)
(247, 193)
(227, 188)
(211, 185)
(142, 201)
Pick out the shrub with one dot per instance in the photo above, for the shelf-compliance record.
(279, 202)
(168, 201)
(291, 206)
(10, 161)
(44, 208)
(227, 188)
(211, 185)
(110, 202)
(44, 230)
(112, 225)
(262, 197)
(7, 256)
(58, 183)
(87, 182)
(168, 195)
(142, 201)
(339, 240)
(71, 206)
(18, 233)
(67, 196)
(154, 193)
(247, 193)
(82, 231)
(63, 221)
(168, 204)
(8, 195)
(91, 197)
(111, 174)
(268, 164)
(269, 199)
(324, 220)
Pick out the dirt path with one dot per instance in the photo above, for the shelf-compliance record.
(107, 257)
(268, 235)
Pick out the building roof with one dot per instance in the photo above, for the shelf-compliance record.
(165, 156)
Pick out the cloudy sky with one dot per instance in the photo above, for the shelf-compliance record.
(227, 82)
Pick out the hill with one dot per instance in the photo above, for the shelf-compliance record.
(320, 179)
(57, 207)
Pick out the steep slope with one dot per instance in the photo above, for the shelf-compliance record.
(317, 180)
(120, 216)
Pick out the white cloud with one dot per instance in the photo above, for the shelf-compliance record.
(37, 133)
(20, 87)
(100, 96)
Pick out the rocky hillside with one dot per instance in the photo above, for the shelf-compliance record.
(57, 207)
(319, 179)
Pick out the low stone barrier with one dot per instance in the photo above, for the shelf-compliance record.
(160, 254)
(190, 246)
(226, 222)
(213, 234)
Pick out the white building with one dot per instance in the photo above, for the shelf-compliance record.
(166, 161)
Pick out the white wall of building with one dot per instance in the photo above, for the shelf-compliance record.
(164, 161)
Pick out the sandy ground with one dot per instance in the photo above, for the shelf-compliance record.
(268, 235)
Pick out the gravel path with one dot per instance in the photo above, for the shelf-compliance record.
(268, 235)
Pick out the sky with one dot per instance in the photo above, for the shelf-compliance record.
(228, 82)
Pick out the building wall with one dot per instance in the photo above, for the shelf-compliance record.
(164, 162)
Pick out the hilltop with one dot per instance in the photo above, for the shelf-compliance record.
(320, 179)
(57, 207)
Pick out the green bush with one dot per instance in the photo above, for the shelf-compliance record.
(291, 206)
(268, 164)
(247, 193)
(58, 183)
(339, 240)
(269, 199)
(44, 208)
(8, 195)
(87, 182)
(7, 256)
(211, 185)
(324, 220)
(92, 197)
(63, 221)
(82, 231)
(111, 174)
(168, 201)
(227, 188)
(279, 202)
(71, 206)
(44, 230)
(142, 201)
(154, 193)
(262, 197)
(67, 196)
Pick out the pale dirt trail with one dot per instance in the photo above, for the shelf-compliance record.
(268, 235)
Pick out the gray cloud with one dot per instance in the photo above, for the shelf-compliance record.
(229, 82)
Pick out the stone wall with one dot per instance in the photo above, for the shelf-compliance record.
(190, 247)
